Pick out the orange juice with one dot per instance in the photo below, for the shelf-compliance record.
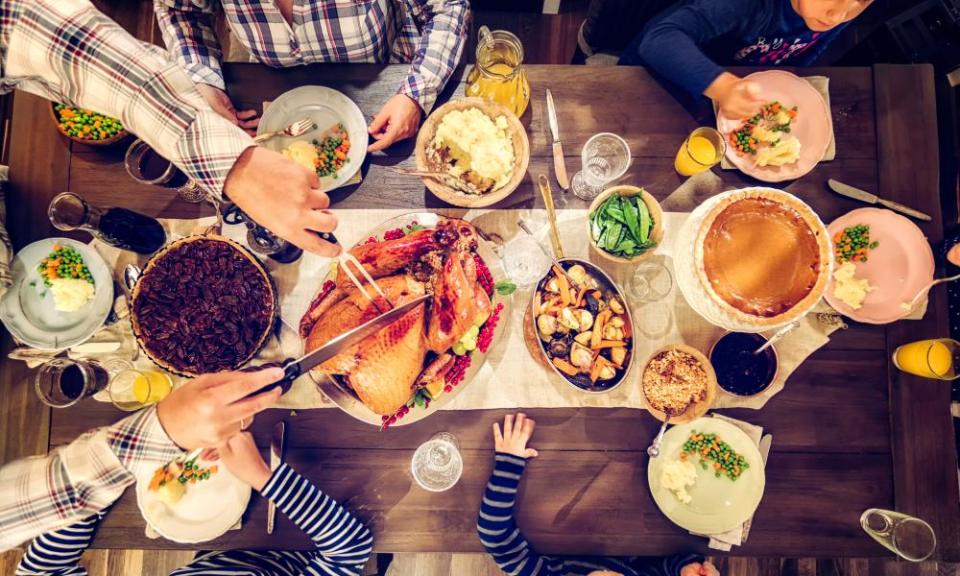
(928, 358)
(698, 153)
(151, 386)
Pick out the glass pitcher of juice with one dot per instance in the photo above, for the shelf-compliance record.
(498, 74)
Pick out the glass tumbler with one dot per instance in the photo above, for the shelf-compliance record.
(605, 157)
(62, 382)
(437, 463)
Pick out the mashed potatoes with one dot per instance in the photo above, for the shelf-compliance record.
(476, 144)
(303, 153)
(677, 476)
(848, 288)
(783, 152)
(71, 294)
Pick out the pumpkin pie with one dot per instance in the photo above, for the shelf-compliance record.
(764, 256)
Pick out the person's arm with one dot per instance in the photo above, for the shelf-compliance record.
(68, 51)
(498, 528)
(187, 29)
(672, 44)
(58, 553)
(78, 480)
(49, 492)
(343, 542)
(444, 25)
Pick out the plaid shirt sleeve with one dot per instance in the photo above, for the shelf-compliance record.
(72, 482)
(68, 51)
(444, 26)
(187, 28)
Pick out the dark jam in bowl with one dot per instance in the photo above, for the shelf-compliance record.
(739, 370)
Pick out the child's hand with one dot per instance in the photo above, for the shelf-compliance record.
(737, 98)
(515, 436)
(242, 457)
(697, 569)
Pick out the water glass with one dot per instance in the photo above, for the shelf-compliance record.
(437, 463)
(62, 382)
(910, 538)
(605, 158)
(524, 260)
(650, 282)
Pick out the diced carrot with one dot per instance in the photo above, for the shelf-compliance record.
(565, 367)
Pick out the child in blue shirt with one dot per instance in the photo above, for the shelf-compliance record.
(690, 43)
(503, 540)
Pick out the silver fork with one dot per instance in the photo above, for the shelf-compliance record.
(298, 128)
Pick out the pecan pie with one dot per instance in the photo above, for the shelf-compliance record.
(203, 304)
(763, 256)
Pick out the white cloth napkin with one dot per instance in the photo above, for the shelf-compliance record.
(727, 540)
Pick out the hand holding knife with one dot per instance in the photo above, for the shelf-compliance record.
(558, 164)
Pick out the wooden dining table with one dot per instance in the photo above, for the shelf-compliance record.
(850, 432)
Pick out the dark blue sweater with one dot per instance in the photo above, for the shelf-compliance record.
(690, 43)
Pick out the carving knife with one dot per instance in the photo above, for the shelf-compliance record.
(864, 196)
(558, 166)
(292, 369)
(276, 456)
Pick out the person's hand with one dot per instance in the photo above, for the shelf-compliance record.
(208, 410)
(284, 197)
(242, 457)
(516, 434)
(398, 119)
(221, 104)
(697, 569)
(737, 98)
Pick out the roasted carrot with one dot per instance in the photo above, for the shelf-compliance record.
(610, 344)
(597, 335)
(565, 367)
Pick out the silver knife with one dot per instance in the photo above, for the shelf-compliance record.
(764, 448)
(864, 196)
(294, 368)
(276, 456)
(558, 166)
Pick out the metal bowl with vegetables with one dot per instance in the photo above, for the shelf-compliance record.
(625, 224)
(583, 325)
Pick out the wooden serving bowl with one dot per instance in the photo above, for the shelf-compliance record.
(656, 212)
(693, 411)
(122, 134)
(450, 195)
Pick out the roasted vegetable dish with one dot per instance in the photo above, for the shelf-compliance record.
(584, 327)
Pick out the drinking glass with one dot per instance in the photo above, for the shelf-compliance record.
(605, 158)
(132, 389)
(146, 166)
(935, 358)
(62, 382)
(524, 260)
(909, 538)
(702, 150)
(437, 463)
(650, 282)
(120, 227)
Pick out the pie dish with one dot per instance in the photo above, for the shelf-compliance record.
(763, 257)
(203, 304)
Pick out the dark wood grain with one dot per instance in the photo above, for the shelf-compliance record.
(836, 425)
(921, 423)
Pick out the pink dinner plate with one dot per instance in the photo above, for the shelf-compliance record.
(897, 268)
(812, 126)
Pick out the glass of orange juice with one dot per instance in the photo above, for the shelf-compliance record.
(702, 150)
(935, 358)
(135, 388)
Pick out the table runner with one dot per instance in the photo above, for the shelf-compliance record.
(511, 377)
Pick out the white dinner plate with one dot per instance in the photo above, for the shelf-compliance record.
(326, 107)
(27, 308)
(208, 509)
(719, 504)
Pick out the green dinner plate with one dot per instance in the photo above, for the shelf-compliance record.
(719, 504)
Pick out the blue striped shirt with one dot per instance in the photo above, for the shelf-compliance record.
(343, 542)
(503, 540)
